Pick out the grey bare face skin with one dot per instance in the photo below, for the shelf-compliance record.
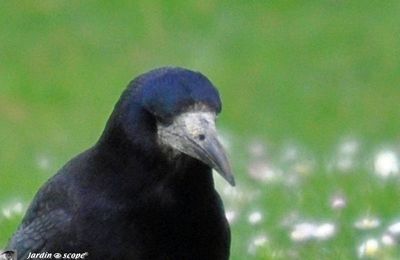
(194, 133)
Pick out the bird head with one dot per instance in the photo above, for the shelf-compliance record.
(185, 105)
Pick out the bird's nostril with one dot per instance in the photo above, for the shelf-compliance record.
(201, 137)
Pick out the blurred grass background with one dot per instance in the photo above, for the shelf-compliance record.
(306, 72)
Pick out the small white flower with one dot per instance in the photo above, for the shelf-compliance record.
(369, 248)
(43, 162)
(324, 231)
(394, 229)
(386, 164)
(260, 240)
(12, 210)
(303, 232)
(261, 170)
(345, 158)
(308, 231)
(256, 149)
(388, 240)
(18, 208)
(338, 202)
(255, 217)
(6, 212)
(367, 223)
(256, 243)
(350, 146)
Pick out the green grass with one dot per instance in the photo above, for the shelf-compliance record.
(308, 73)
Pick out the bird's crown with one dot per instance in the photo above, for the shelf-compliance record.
(166, 92)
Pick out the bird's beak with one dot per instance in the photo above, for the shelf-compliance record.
(194, 134)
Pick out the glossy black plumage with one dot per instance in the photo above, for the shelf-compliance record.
(129, 196)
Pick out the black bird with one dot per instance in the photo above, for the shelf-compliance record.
(145, 189)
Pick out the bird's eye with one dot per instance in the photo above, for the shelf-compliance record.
(201, 137)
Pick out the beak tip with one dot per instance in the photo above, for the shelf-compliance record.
(230, 179)
(227, 176)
